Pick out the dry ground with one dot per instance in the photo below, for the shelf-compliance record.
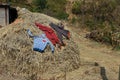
(96, 52)
(90, 52)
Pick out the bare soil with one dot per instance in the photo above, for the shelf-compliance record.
(92, 51)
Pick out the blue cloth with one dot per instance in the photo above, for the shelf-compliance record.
(40, 42)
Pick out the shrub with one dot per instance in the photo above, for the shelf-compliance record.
(56, 8)
(73, 20)
(39, 5)
(62, 15)
(76, 9)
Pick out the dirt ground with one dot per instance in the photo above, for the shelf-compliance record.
(96, 52)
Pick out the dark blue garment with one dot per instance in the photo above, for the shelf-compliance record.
(60, 32)
(40, 42)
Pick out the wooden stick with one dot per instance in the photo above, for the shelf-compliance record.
(103, 73)
(119, 73)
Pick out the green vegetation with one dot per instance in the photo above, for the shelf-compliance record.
(101, 16)
(20, 3)
(39, 5)
(55, 8)
(77, 7)
(98, 10)
(73, 20)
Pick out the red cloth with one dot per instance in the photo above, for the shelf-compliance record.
(49, 33)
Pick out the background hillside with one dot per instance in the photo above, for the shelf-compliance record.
(101, 17)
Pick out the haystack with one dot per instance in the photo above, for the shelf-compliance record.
(19, 62)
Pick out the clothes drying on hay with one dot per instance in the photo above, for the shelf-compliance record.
(40, 42)
(60, 32)
(49, 33)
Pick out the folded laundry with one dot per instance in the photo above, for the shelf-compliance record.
(40, 42)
